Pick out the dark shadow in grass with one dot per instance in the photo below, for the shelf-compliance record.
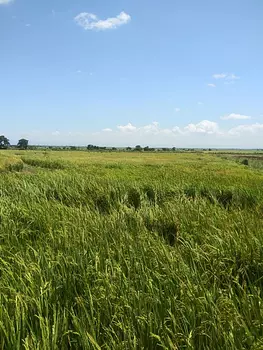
(222, 197)
(134, 198)
(165, 227)
(190, 192)
(103, 205)
(150, 194)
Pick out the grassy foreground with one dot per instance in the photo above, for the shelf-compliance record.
(130, 251)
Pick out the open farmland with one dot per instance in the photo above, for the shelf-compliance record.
(129, 250)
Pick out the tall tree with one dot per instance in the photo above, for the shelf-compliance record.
(22, 144)
(4, 142)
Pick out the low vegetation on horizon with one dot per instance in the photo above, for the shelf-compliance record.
(131, 250)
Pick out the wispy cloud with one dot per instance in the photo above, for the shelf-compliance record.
(89, 21)
(177, 109)
(220, 76)
(241, 129)
(55, 133)
(211, 85)
(200, 103)
(127, 128)
(5, 2)
(107, 130)
(229, 78)
(203, 127)
(234, 116)
(28, 25)
(232, 77)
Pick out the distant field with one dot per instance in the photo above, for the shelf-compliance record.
(127, 250)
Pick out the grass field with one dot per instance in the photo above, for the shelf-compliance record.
(130, 251)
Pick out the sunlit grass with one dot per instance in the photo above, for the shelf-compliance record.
(130, 251)
(10, 162)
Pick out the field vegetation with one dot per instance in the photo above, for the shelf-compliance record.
(126, 250)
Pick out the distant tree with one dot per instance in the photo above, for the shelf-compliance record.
(92, 147)
(22, 144)
(138, 148)
(128, 148)
(149, 149)
(4, 142)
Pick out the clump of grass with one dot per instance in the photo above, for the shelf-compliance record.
(17, 166)
(10, 163)
(44, 163)
(190, 192)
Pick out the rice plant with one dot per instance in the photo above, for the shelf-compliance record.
(130, 251)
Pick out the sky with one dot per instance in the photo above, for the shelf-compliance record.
(168, 73)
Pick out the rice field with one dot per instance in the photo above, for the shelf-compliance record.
(129, 250)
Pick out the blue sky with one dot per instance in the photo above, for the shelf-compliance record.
(163, 73)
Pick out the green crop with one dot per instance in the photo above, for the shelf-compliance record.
(130, 251)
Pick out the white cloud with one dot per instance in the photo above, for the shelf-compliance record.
(211, 85)
(204, 127)
(28, 25)
(127, 128)
(55, 133)
(232, 77)
(234, 116)
(229, 78)
(200, 103)
(205, 133)
(107, 130)
(177, 109)
(89, 21)
(151, 128)
(220, 76)
(4, 2)
(241, 129)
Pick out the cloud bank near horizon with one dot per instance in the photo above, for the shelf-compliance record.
(205, 133)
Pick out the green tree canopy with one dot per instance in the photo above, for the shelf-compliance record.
(4, 142)
(22, 144)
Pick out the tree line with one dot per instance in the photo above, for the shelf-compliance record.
(23, 145)
(5, 143)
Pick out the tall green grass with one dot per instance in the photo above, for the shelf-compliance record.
(141, 255)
